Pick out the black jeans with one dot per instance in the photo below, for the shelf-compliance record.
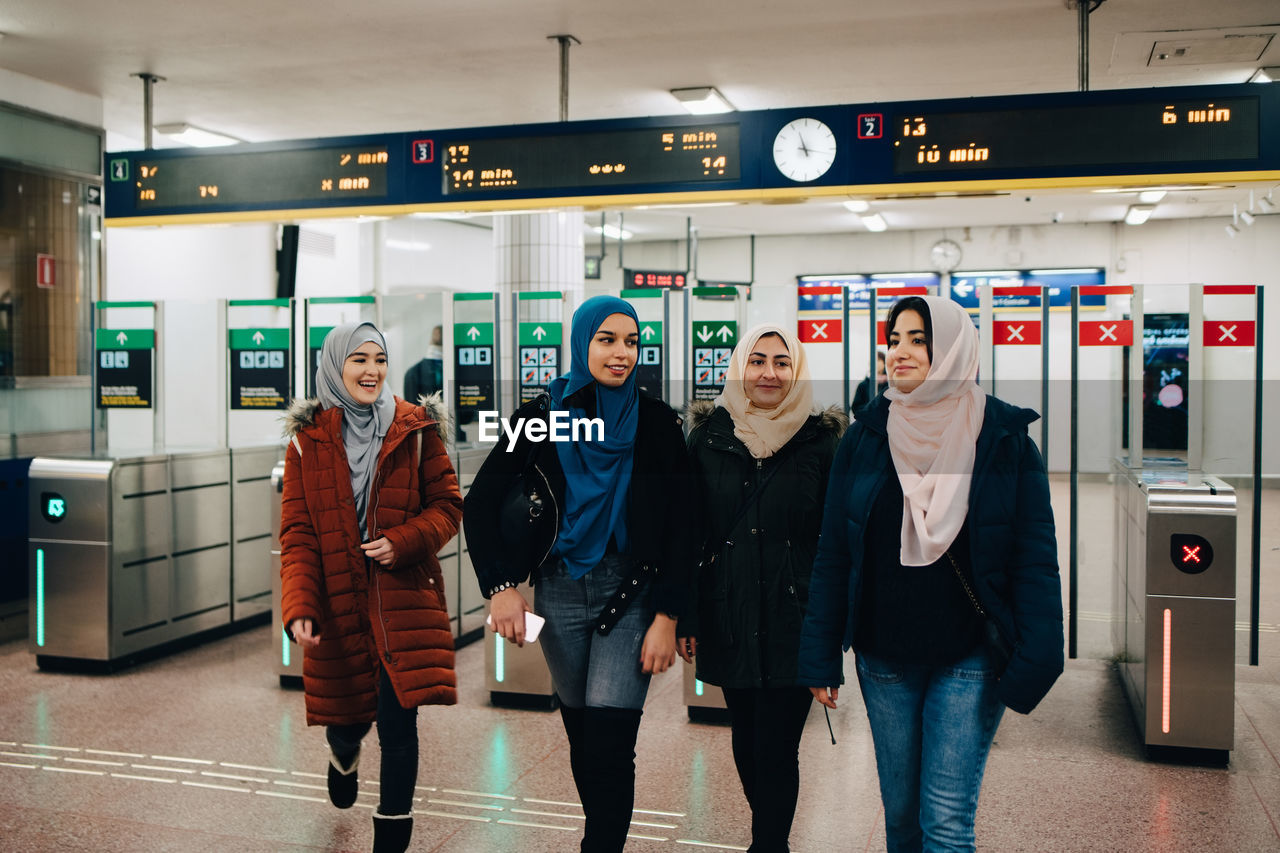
(767, 725)
(398, 740)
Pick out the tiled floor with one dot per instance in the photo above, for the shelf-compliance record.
(203, 751)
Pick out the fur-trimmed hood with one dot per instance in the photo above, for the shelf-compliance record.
(302, 414)
(832, 419)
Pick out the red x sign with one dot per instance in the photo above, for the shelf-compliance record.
(1228, 333)
(1016, 332)
(824, 331)
(1190, 555)
(1106, 333)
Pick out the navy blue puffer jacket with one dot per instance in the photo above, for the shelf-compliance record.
(1013, 550)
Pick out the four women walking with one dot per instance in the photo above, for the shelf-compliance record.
(932, 556)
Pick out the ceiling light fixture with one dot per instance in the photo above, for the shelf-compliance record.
(874, 222)
(1268, 74)
(613, 232)
(1138, 213)
(197, 137)
(1246, 217)
(1266, 204)
(857, 205)
(1232, 230)
(1152, 196)
(703, 100)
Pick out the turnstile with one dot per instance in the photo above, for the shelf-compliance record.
(1176, 578)
(517, 675)
(705, 702)
(130, 553)
(286, 654)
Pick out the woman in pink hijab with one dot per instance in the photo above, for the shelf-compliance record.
(937, 565)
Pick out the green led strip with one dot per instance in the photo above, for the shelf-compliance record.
(284, 648)
(40, 597)
(697, 687)
(499, 654)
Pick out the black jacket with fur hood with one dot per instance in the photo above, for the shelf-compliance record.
(751, 589)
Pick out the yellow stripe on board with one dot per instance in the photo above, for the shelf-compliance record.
(775, 195)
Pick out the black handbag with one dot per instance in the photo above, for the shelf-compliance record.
(999, 647)
(527, 517)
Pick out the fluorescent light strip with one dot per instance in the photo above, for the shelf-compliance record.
(499, 662)
(40, 597)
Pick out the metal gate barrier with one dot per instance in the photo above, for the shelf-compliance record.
(1176, 584)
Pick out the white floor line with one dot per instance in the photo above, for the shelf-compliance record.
(12, 764)
(143, 778)
(48, 746)
(471, 817)
(180, 760)
(647, 837)
(551, 802)
(485, 806)
(162, 769)
(693, 843)
(475, 794)
(306, 774)
(289, 784)
(660, 814)
(234, 776)
(73, 770)
(29, 755)
(653, 825)
(549, 814)
(113, 752)
(215, 787)
(510, 822)
(283, 795)
(95, 761)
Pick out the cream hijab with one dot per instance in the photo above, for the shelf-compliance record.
(766, 431)
(933, 435)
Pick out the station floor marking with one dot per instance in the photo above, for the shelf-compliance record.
(506, 803)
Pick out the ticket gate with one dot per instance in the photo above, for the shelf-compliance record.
(1176, 577)
(517, 675)
(129, 554)
(704, 702)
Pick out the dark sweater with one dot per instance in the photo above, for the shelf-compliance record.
(912, 614)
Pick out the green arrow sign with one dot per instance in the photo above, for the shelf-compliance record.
(316, 336)
(540, 334)
(717, 333)
(258, 338)
(472, 334)
(651, 332)
(125, 339)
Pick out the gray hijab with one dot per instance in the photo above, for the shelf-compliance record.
(363, 427)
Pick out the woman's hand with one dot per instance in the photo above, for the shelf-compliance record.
(826, 695)
(506, 614)
(301, 631)
(658, 652)
(687, 648)
(380, 551)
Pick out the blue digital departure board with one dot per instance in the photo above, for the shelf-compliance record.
(1144, 134)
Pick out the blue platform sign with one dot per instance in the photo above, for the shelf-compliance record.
(966, 288)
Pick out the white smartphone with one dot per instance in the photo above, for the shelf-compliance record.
(532, 625)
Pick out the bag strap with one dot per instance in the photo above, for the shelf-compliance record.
(973, 599)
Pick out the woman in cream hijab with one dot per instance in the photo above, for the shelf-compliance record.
(760, 456)
(938, 566)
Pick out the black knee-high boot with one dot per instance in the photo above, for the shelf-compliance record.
(609, 735)
(574, 720)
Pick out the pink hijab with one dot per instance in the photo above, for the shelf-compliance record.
(933, 435)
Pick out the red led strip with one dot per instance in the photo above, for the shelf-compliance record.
(1164, 689)
(1105, 289)
(1230, 289)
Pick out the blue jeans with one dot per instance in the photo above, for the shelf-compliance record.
(589, 670)
(932, 728)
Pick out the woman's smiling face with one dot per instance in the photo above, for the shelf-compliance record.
(363, 373)
(612, 354)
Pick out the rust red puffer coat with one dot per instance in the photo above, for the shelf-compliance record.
(369, 616)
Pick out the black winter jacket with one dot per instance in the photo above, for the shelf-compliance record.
(659, 519)
(752, 586)
(1012, 549)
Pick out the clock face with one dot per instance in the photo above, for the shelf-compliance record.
(804, 149)
(946, 255)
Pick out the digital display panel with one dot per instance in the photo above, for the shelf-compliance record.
(664, 155)
(262, 177)
(1163, 131)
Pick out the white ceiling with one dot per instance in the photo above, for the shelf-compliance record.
(285, 69)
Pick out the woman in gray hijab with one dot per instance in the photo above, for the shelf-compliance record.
(369, 498)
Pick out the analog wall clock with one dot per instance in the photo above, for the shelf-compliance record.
(945, 255)
(804, 149)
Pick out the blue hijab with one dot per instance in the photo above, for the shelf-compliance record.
(597, 473)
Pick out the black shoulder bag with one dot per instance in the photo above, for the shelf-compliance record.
(994, 640)
(527, 517)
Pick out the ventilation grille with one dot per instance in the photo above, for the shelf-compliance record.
(316, 243)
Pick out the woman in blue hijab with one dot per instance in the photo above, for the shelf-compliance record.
(611, 566)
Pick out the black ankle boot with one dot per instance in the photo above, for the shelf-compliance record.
(343, 782)
(609, 738)
(391, 833)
